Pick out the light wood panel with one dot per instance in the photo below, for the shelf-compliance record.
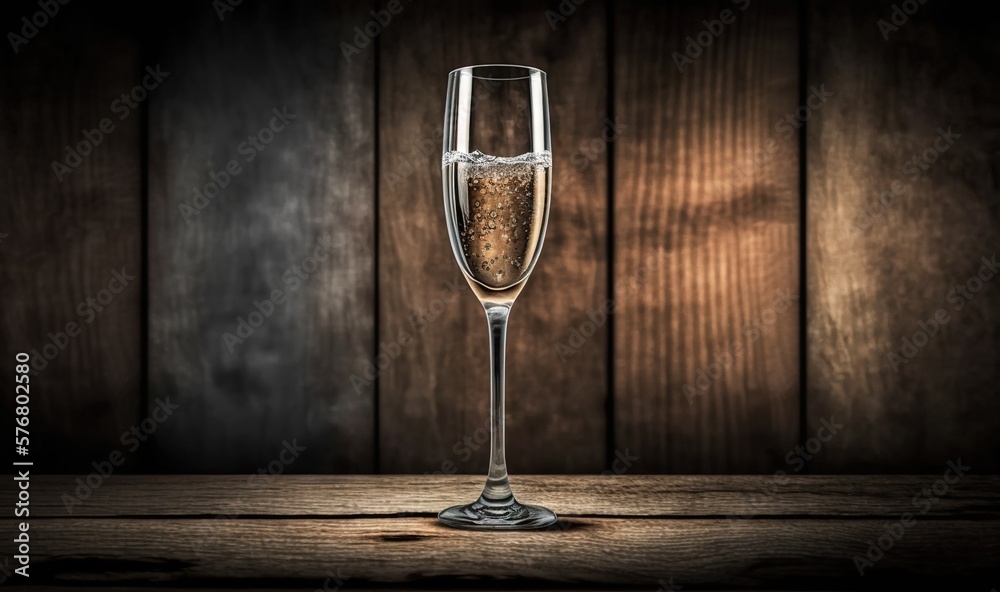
(297, 216)
(877, 272)
(706, 343)
(436, 393)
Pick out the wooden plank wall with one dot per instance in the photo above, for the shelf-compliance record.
(681, 194)
(265, 89)
(706, 236)
(65, 236)
(436, 394)
(877, 271)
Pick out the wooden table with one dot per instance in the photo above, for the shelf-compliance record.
(641, 532)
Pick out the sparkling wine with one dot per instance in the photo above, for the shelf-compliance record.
(500, 202)
(496, 210)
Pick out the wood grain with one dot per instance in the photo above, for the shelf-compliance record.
(584, 551)
(62, 238)
(330, 581)
(732, 496)
(367, 531)
(875, 272)
(436, 394)
(297, 217)
(705, 244)
(702, 245)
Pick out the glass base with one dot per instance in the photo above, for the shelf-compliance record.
(497, 515)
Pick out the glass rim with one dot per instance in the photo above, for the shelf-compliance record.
(528, 71)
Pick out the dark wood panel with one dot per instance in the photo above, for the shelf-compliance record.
(330, 581)
(435, 395)
(586, 551)
(70, 225)
(876, 272)
(706, 244)
(735, 496)
(266, 99)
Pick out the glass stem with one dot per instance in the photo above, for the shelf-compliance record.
(497, 487)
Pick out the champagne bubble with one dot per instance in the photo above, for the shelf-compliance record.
(500, 198)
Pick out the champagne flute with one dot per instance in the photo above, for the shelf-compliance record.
(496, 171)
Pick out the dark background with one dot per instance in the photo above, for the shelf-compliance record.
(693, 213)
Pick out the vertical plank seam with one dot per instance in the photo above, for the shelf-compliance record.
(609, 402)
(376, 172)
(144, 52)
(803, 198)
